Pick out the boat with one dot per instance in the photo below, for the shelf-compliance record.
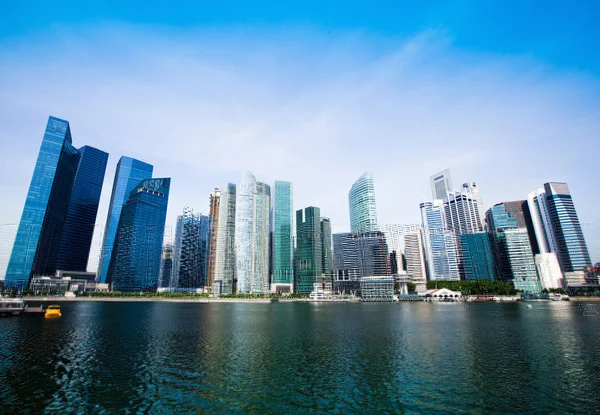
(11, 306)
(559, 297)
(52, 311)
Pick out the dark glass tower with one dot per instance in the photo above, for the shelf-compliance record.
(48, 226)
(136, 255)
(128, 175)
(309, 251)
(78, 231)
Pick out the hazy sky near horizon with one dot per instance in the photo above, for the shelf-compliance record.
(504, 95)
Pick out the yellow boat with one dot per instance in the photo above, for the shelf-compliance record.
(52, 311)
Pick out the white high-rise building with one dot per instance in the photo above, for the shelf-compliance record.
(441, 250)
(536, 200)
(548, 270)
(464, 210)
(441, 185)
(363, 209)
(394, 236)
(415, 259)
(252, 235)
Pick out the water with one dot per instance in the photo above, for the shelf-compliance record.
(290, 358)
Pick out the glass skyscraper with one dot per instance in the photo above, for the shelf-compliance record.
(48, 235)
(309, 249)
(252, 235)
(80, 222)
(441, 251)
(571, 248)
(283, 244)
(441, 185)
(478, 260)
(363, 209)
(136, 256)
(225, 263)
(327, 253)
(190, 256)
(128, 175)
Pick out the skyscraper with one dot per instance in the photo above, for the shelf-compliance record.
(327, 253)
(130, 172)
(363, 209)
(511, 246)
(136, 256)
(166, 268)
(63, 194)
(283, 244)
(212, 238)
(309, 249)
(415, 259)
(373, 254)
(441, 250)
(548, 269)
(464, 210)
(478, 260)
(441, 185)
(571, 248)
(542, 229)
(190, 252)
(252, 235)
(346, 263)
(225, 260)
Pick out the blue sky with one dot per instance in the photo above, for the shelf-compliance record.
(502, 93)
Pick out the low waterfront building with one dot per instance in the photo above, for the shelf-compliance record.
(67, 281)
(377, 289)
(443, 294)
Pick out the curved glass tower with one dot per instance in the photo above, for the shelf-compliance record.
(363, 210)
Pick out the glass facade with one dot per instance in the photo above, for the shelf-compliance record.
(166, 267)
(74, 249)
(190, 257)
(225, 261)
(363, 209)
(478, 261)
(571, 248)
(47, 207)
(283, 244)
(327, 252)
(128, 175)
(309, 249)
(441, 251)
(136, 257)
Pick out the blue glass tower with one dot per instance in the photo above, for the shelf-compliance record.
(571, 248)
(136, 255)
(128, 175)
(46, 224)
(283, 243)
(74, 248)
(478, 261)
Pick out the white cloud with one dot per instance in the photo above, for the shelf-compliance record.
(300, 105)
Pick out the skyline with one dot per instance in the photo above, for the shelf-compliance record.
(402, 100)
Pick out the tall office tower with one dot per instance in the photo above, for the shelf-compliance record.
(394, 236)
(190, 252)
(309, 249)
(441, 185)
(252, 234)
(478, 260)
(373, 254)
(507, 226)
(345, 263)
(130, 172)
(283, 243)
(76, 238)
(571, 248)
(441, 251)
(548, 269)
(166, 268)
(225, 264)
(327, 253)
(363, 210)
(136, 255)
(513, 214)
(464, 210)
(415, 259)
(58, 199)
(540, 221)
(212, 238)
(520, 258)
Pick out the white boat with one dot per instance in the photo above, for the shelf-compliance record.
(11, 306)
